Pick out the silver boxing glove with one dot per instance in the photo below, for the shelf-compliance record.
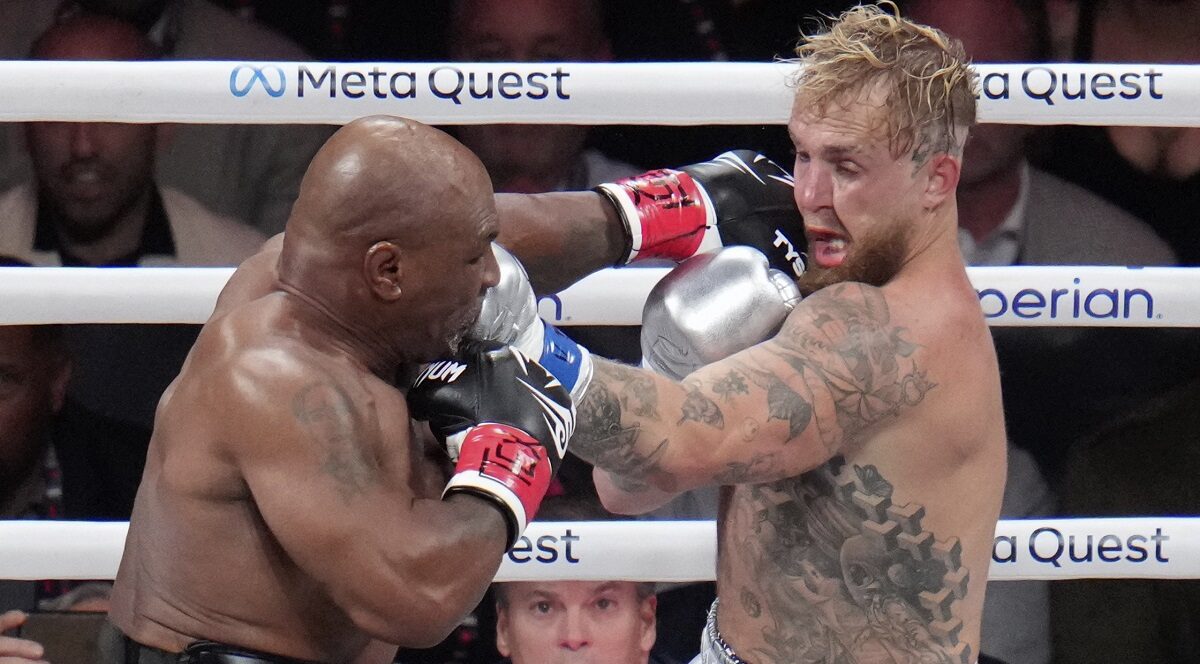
(509, 315)
(711, 306)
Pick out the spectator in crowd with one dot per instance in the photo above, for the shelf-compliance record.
(541, 622)
(1153, 172)
(1144, 464)
(57, 461)
(534, 158)
(95, 202)
(1013, 213)
(247, 172)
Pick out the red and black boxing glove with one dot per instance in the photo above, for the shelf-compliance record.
(738, 198)
(504, 419)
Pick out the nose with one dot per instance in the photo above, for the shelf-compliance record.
(83, 139)
(814, 187)
(576, 633)
(491, 269)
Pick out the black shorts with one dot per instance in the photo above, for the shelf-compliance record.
(116, 648)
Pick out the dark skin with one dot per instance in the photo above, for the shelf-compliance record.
(286, 504)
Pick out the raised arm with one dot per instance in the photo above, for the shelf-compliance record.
(562, 237)
(778, 409)
(740, 197)
(332, 470)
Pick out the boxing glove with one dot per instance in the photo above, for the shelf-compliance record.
(504, 419)
(738, 198)
(711, 306)
(509, 315)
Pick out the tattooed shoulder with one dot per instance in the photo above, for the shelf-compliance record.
(327, 414)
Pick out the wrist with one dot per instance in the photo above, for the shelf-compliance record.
(507, 467)
(665, 214)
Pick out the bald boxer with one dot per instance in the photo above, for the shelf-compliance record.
(287, 512)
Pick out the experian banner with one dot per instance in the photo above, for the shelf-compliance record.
(1092, 296)
(676, 93)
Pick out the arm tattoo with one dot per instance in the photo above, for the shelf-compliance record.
(327, 412)
(600, 436)
(699, 408)
(730, 384)
(849, 350)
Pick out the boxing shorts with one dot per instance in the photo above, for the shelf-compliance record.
(117, 648)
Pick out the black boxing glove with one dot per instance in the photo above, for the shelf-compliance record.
(738, 198)
(504, 419)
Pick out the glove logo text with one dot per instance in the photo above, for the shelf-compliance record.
(446, 371)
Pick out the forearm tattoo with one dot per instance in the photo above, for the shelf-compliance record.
(828, 375)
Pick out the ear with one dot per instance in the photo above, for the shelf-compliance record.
(383, 271)
(502, 645)
(942, 174)
(649, 615)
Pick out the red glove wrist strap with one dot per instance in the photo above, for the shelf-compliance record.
(670, 212)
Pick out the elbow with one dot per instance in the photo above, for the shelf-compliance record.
(417, 618)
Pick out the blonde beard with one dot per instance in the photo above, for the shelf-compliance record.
(874, 260)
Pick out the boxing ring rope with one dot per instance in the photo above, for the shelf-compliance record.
(678, 551)
(597, 94)
(1094, 296)
(680, 93)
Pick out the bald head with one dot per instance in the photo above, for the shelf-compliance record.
(393, 212)
(385, 177)
(93, 37)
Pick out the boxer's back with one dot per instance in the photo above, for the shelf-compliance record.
(881, 554)
(202, 560)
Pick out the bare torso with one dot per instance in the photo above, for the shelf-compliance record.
(200, 561)
(881, 554)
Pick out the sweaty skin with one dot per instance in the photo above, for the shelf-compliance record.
(862, 448)
(286, 505)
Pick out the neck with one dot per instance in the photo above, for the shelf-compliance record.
(121, 237)
(360, 342)
(984, 205)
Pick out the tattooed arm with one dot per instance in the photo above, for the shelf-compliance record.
(326, 453)
(838, 367)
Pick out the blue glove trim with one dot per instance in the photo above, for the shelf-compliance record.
(561, 356)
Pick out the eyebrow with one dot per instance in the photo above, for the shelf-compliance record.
(839, 151)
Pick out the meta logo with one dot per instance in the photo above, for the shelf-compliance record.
(244, 78)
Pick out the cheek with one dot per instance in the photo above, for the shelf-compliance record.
(534, 639)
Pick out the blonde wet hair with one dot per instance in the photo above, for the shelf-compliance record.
(925, 76)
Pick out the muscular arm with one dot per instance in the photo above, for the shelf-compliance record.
(334, 474)
(560, 237)
(778, 409)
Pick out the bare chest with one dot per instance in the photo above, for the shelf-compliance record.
(830, 567)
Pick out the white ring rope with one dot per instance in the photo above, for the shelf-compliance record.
(679, 93)
(1047, 549)
(1012, 296)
